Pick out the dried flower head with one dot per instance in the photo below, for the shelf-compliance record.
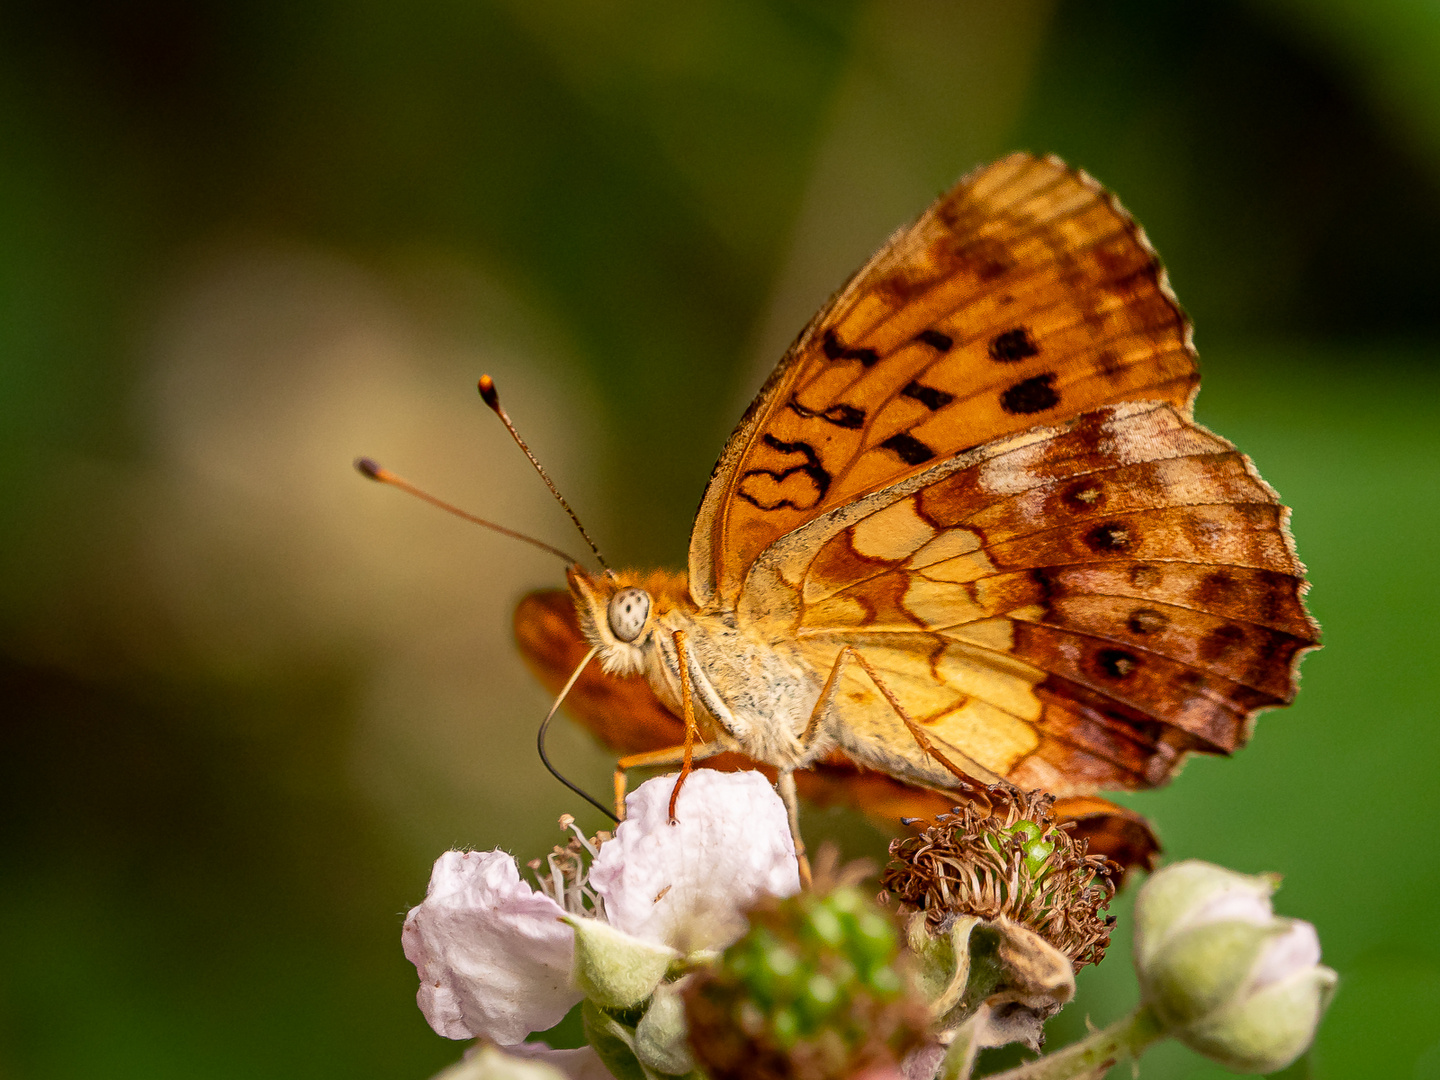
(1003, 856)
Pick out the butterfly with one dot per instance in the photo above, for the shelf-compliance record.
(967, 533)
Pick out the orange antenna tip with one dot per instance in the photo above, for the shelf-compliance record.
(491, 397)
(368, 467)
(489, 393)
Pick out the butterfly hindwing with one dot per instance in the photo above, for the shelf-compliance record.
(1023, 296)
(1070, 608)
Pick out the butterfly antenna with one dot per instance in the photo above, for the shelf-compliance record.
(385, 476)
(545, 726)
(491, 397)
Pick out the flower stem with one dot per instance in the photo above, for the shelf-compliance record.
(1094, 1055)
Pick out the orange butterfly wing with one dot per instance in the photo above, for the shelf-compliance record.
(1069, 590)
(627, 716)
(979, 466)
(1023, 296)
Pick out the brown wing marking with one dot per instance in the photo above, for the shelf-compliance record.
(1024, 295)
(1124, 587)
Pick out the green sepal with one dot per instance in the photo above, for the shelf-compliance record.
(613, 969)
(661, 1037)
(944, 964)
(613, 1042)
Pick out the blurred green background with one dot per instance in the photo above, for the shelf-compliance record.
(248, 698)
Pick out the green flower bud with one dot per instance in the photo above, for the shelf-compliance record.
(1222, 973)
(613, 969)
(811, 990)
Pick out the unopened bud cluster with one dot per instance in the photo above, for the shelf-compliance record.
(814, 990)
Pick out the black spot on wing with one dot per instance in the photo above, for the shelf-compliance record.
(908, 449)
(1033, 395)
(1116, 663)
(1046, 582)
(1013, 345)
(844, 416)
(836, 351)
(936, 340)
(928, 396)
(1111, 536)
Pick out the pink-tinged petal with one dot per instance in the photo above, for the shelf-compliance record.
(1293, 950)
(486, 1061)
(581, 1064)
(686, 884)
(493, 958)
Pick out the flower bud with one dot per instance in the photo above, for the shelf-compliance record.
(1223, 973)
(815, 989)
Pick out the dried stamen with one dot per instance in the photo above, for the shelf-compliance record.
(567, 880)
(1004, 856)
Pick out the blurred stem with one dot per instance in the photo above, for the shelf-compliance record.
(959, 1059)
(1094, 1055)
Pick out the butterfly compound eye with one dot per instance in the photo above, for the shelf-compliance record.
(629, 608)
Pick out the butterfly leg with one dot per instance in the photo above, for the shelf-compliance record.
(688, 704)
(785, 785)
(670, 755)
(821, 713)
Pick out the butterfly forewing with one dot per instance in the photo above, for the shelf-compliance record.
(1024, 296)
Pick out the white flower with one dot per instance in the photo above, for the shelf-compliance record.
(495, 960)
(685, 885)
(493, 957)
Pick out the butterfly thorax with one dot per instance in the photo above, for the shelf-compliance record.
(748, 693)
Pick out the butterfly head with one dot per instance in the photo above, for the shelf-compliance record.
(618, 616)
(620, 613)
